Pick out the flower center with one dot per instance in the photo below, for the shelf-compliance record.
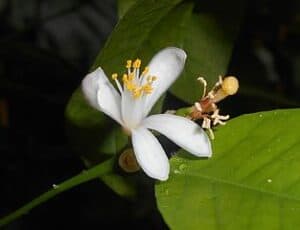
(137, 84)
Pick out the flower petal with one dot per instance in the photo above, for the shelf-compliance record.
(182, 131)
(150, 154)
(166, 65)
(101, 94)
(132, 109)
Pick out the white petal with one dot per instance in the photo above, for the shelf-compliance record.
(150, 154)
(132, 109)
(166, 65)
(182, 131)
(101, 94)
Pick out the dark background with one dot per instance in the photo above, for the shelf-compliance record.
(46, 48)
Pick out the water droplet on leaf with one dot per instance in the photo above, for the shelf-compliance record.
(55, 186)
(176, 171)
(182, 167)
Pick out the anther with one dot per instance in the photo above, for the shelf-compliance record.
(114, 76)
(128, 64)
(125, 77)
(137, 63)
(146, 70)
(147, 89)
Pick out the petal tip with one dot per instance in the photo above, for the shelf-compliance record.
(161, 175)
(180, 53)
(163, 178)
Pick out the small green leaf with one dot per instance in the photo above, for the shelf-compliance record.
(251, 181)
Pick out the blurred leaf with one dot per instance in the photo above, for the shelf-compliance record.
(208, 36)
(124, 6)
(251, 182)
(92, 134)
(204, 31)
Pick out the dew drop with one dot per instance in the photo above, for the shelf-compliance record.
(269, 180)
(182, 167)
(176, 171)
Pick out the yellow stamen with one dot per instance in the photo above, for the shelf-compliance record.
(131, 76)
(145, 71)
(114, 76)
(137, 92)
(130, 86)
(151, 79)
(125, 77)
(132, 80)
(147, 89)
(128, 64)
(137, 63)
(154, 78)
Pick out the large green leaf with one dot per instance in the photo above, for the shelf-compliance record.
(251, 182)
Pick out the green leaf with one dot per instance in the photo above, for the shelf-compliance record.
(208, 36)
(251, 182)
(204, 31)
(124, 6)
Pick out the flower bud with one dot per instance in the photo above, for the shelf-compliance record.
(127, 161)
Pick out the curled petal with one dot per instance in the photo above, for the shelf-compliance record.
(182, 131)
(150, 154)
(166, 66)
(101, 94)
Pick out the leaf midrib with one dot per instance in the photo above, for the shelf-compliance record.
(243, 186)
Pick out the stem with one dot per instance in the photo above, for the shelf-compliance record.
(83, 177)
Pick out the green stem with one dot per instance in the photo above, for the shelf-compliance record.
(83, 177)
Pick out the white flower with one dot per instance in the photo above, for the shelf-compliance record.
(131, 105)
